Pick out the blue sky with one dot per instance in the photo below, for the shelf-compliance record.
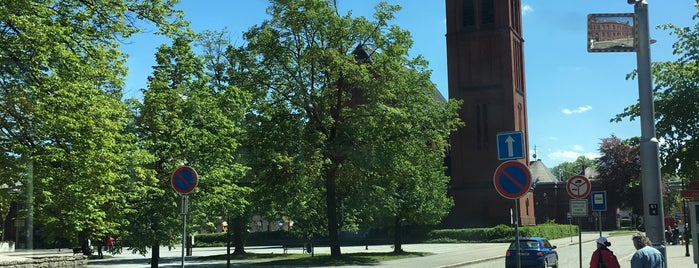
(571, 94)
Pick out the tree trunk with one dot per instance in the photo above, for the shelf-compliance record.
(331, 202)
(238, 238)
(336, 157)
(397, 242)
(155, 255)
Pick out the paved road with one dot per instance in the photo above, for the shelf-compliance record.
(482, 255)
(569, 253)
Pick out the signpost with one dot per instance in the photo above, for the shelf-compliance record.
(184, 180)
(510, 145)
(578, 207)
(599, 204)
(578, 187)
(512, 180)
(599, 201)
(570, 224)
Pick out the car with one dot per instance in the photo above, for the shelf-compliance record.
(535, 252)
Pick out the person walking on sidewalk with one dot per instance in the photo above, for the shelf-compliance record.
(603, 257)
(646, 256)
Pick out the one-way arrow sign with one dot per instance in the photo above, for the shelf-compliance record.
(510, 145)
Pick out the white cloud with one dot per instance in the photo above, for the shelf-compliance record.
(578, 110)
(578, 148)
(526, 9)
(570, 156)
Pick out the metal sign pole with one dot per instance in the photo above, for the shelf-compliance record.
(579, 243)
(519, 263)
(599, 220)
(183, 201)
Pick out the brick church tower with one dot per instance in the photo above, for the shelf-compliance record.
(486, 71)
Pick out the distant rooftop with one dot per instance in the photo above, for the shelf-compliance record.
(540, 173)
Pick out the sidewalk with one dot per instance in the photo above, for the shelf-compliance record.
(676, 257)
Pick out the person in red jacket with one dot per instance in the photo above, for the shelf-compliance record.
(603, 257)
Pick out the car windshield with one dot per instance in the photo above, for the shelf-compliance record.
(526, 244)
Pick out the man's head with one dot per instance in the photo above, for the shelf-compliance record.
(640, 240)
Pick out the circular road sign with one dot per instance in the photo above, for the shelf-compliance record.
(184, 180)
(578, 187)
(512, 179)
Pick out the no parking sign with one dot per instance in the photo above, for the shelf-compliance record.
(184, 180)
(512, 179)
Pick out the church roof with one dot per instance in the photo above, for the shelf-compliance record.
(540, 173)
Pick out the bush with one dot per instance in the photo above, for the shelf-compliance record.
(499, 234)
(458, 235)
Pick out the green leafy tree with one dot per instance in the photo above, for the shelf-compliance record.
(164, 126)
(402, 173)
(676, 90)
(61, 114)
(190, 114)
(225, 193)
(566, 170)
(333, 89)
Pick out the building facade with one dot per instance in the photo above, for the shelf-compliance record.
(486, 71)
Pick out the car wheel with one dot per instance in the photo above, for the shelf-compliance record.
(546, 264)
(555, 265)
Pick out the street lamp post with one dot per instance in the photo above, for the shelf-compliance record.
(686, 224)
(650, 163)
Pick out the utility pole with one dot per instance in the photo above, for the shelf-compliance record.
(650, 161)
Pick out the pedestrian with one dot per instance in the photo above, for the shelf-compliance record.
(646, 256)
(603, 257)
(676, 235)
(110, 243)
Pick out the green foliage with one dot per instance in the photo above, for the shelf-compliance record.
(499, 234)
(61, 115)
(676, 87)
(171, 114)
(325, 133)
(548, 230)
(500, 231)
(163, 128)
(477, 234)
(566, 170)
(330, 133)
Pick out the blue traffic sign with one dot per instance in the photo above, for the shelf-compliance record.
(510, 145)
(599, 200)
(512, 179)
(184, 180)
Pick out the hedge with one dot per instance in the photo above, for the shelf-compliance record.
(497, 234)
